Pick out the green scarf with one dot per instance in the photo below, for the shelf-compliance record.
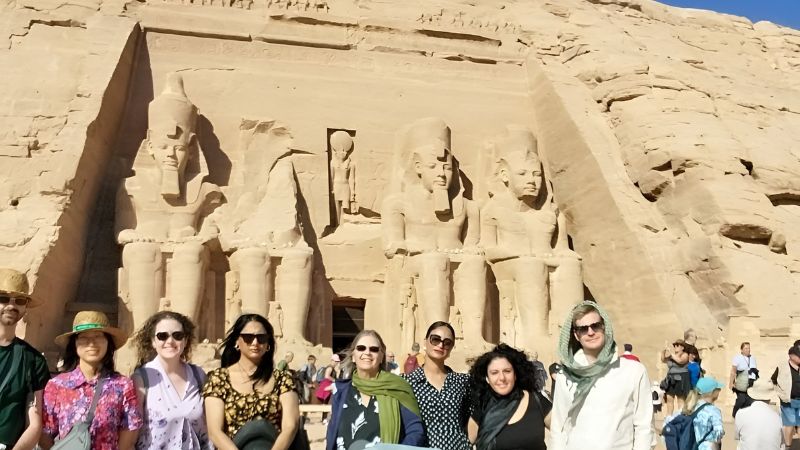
(391, 391)
(584, 376)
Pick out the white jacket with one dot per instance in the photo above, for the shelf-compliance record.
(616, 415)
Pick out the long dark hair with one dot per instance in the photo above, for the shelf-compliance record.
(71, 358)
(231, 354)
(143, 339)
(523, 371)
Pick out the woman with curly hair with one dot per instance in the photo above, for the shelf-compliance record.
(249, 403)
(168, 386)
(370, 405)
(509, 411)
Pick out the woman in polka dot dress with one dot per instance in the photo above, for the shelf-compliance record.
(443, 395)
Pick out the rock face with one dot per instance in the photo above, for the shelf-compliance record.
(667, 141)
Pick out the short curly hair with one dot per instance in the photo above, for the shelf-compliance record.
(143, 339)
(524, 371)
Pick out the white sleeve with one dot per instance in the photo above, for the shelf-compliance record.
(562, 399)
(643, 436)
(753, 362)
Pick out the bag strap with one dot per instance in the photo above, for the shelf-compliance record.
(197, 375)
(16, 354)
(98, 390)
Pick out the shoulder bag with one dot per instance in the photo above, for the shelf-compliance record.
(79, 437)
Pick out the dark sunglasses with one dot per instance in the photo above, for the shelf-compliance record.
(248, 338)
(437, 340)
(177, 335)
(19, 301)
(597, 327)
(372, 348)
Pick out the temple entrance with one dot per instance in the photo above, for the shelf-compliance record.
(347, 319)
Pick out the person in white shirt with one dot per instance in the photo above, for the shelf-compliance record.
(743, 373)
(758, 426)
(601, 401)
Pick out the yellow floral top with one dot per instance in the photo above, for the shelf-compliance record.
(241, 408)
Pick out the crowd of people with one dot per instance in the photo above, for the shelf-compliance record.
(599, 399)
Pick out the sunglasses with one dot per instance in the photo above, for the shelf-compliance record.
(372, 348)
(19, 301)
(597, 327)
(437, 340)
(177, 335)
(248, 338)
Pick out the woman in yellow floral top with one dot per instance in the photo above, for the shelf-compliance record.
(248, 387)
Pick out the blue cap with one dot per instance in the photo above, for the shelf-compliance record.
(707, 385)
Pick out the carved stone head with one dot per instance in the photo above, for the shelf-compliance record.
(341, 144)
(518, 165)
(429, 143)
(171, 138)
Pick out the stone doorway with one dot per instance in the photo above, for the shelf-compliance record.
(347, 320)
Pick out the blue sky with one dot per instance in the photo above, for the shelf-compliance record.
(782, 12)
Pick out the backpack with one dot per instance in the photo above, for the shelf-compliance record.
(320, 374)
(411, 364)
(679, 432)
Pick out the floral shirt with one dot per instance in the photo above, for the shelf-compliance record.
(67, 399)
(241, 408)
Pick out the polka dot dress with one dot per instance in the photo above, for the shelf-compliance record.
(444, 412)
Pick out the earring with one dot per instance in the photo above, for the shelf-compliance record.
(236, 346)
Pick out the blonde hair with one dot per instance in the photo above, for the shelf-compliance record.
(693, 397)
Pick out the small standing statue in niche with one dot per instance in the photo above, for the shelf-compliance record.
(525, 241)
(343, 174)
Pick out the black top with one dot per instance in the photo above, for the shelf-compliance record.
(444, 412)
(795, 394)
(528, 432)
(27, 373)
(359, 423)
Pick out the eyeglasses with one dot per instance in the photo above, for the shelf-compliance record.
(248, 338)
(19, 301)
(597, 327)
(437, 340)
(177, 335)
(372, 348)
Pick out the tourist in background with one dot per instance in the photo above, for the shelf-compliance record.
(372, 406)
(89, 366)
(694, 367)
(678, 383)
(601, 401)
(391, 364)
(758, 426)
(628, 353)
(708, 429)
(283, 364)
(786, 379)
(247, 400)
(442, 394)
(509, 410)
(414, 359)
(168, 386)
(744, 372)
(23, 370)
(307, 377)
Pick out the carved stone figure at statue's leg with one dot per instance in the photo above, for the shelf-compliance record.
(293, 280)
(507, 312)
(187, 278)
(433, 287)
(532, 303)
(145, 275)
(566, 288)
(253, 266)
(470, 293)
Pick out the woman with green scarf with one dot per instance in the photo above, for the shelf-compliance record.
(601, 401)
(374, 406)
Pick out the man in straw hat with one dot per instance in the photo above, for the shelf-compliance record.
(23, 369)
(758, 426)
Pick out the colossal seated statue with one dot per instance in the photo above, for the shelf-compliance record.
(431, 230)
(270, 261)
(524, 239)
(162, 211)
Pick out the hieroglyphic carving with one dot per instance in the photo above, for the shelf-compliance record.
(524, 238)
(161, 213)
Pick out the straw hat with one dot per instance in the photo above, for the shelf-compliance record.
(15, 283)
(93, 321)
(762, 389)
